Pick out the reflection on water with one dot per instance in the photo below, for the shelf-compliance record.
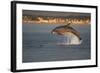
(39, 45)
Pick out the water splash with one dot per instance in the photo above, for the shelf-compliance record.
(70, 39)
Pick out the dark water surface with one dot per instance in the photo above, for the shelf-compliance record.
(39, 45)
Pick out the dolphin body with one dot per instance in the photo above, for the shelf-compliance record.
(73, 36)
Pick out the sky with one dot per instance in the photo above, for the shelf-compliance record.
(53, 13)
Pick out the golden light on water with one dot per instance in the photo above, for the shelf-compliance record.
(56, 20)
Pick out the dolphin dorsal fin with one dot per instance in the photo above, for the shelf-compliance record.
(68, 24)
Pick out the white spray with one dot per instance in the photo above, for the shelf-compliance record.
(71, 39)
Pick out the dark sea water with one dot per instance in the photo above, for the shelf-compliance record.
(39, 45)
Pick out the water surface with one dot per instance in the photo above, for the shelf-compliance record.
(39, 45)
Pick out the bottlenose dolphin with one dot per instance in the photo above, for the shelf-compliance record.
(70, 33)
